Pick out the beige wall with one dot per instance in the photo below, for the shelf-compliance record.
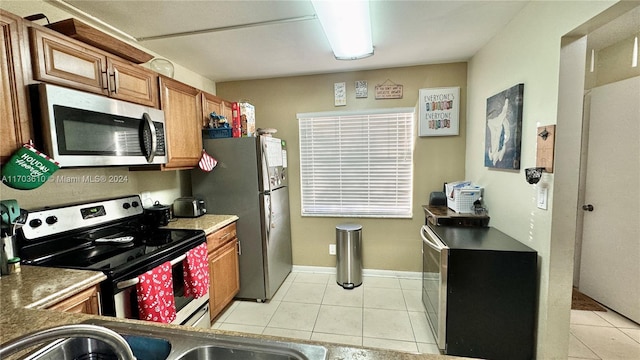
(528, 51)
(391, 244)
(66, 185)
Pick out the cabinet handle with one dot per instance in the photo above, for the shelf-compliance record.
(239, 248)
(116, 78)
(105, 81)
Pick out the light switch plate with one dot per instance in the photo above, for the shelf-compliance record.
(332, 249)
(543, 193)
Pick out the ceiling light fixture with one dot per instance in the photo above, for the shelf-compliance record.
(347, 25)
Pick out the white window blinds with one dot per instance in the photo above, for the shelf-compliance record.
(357, 164)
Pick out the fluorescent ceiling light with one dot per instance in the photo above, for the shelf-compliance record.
(347, 25)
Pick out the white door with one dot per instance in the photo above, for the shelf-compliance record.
(610, 260)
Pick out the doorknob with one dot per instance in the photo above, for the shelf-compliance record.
(587, 207)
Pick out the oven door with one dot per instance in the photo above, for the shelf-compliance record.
(434, 283)
(126, 304)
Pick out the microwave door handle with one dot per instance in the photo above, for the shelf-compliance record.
(431, 244)
(133, 281)
(154, 138)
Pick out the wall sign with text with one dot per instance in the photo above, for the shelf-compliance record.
(439, 111)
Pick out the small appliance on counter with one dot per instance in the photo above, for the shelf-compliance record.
(157, 215)
(189, 207)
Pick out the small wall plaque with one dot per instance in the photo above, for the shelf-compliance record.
(340, 94)
(388, 90)
(361, 89)
(545, 146)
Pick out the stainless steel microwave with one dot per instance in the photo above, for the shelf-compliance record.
(84, 129)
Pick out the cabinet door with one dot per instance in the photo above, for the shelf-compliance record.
(132, 83)
(227, 110)
(210, 103)
(14, 114)
(59, 60)
(85, 302)
(224, 277)
(183, 113)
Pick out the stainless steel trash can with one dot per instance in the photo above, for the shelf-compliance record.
(349, 255)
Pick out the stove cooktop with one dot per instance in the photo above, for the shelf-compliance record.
(105, 236)
(86, 253)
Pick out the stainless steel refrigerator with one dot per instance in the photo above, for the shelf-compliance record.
(250, 180)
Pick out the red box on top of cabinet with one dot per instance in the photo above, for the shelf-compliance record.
(236, 125)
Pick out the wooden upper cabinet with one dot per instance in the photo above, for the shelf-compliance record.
(15, 128)
(58, 59)
(128, 82)
(213, 103)
(227, 111)
(210, 103)
(182, 107)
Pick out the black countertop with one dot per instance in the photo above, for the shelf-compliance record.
(478, 238)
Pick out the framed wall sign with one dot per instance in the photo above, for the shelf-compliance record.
(439, 111)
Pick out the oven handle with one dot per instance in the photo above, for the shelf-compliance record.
(128, 283)
(437, 247)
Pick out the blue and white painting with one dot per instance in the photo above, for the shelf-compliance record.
(504, 129)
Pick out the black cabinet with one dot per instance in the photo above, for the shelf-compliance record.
(491, 294)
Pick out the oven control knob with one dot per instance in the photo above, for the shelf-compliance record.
(135, 204)
(51, 220)
(35, 223)
(126, 206)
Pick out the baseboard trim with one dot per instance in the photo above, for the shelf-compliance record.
(365, 272)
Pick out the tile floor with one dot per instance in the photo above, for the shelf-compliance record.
(387, 312)
(603, 335)
(384, 312)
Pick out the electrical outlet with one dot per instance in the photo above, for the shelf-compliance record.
(332, 249)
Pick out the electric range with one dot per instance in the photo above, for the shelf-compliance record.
(111, 236)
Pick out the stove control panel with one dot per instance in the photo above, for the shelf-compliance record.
(55, 220)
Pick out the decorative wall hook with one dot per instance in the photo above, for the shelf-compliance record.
(533, 175)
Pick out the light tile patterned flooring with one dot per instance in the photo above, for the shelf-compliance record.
(603, 335)
(384, 312)
(387, 312)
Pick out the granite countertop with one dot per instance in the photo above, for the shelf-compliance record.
(36, 287)
(18, 322)
(207, 222)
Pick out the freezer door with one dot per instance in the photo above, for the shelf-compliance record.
(277, 243)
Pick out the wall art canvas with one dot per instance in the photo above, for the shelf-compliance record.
(439, 111)
(503, 132)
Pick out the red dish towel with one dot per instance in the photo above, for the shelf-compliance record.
(155, 295)
(196, 272)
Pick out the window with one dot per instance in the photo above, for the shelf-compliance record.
(357, 164)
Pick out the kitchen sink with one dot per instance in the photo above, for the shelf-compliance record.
(144, 348)
(242, 352)
(149, 342)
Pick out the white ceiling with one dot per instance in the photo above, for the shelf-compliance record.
(404, 33)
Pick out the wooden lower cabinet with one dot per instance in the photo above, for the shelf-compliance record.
(84, 302)
(224, 275)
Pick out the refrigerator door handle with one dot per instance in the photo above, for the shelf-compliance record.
(267, 198)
